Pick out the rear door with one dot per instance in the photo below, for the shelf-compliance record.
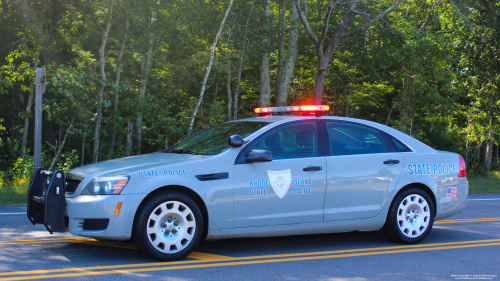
(289, 189)
(362, 171)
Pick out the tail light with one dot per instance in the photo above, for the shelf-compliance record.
(461, 172)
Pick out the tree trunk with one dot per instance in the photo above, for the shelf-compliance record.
(498, 160)
(216, 87)
(281, 43)
(489, 143)
(240, 68)
(24, 8)
(117, 82)
(4, 149)
(83, 141)
(144, 79)
(319, 85)
(28, 114)
(228, 83)
(390, 113)
(102, 62)
(166, 138)
(5, 7)
(265, 80)
(61, 144)
(352, 93)
(58, 142)
(210, 62)
(467, 152)
(128, 145)
(320, 7)
(291, 56)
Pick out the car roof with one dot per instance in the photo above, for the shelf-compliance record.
(414, 144)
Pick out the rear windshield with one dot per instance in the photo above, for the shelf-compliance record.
(213, 141)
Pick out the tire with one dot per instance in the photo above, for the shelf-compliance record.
(410, 217)
(168, 227)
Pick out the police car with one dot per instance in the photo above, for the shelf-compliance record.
(271, 175)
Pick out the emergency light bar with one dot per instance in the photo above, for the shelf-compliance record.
(298, 108)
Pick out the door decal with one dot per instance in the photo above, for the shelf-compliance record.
(280, 181)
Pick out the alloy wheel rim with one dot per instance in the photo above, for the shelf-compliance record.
(413, 216)
(171, 227)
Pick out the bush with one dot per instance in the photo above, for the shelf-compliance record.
(476, 170)
(23, 170)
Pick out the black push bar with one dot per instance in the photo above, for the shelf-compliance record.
(47, 199)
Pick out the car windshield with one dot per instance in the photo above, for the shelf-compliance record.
(213, 141)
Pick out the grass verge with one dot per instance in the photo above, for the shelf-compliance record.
(13, 194)
(489, 183)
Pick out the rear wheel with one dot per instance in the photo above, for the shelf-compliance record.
(410, 217)
(168, 227)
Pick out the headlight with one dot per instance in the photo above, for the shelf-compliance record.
(106, 185)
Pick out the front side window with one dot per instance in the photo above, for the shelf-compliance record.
(348, 139)
(290, 141)
(213, 141)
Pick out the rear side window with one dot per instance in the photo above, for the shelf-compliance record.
(348, 139)
(400, 146)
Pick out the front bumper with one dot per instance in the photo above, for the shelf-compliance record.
(94, 207)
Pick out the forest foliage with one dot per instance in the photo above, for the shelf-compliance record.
(126, 77)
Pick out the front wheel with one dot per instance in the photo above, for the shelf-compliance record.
(410, 217)
(168, 227)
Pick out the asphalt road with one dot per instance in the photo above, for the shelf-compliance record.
(466, 246)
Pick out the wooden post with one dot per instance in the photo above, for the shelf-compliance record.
(39, 90)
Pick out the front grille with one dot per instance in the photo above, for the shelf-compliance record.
(72, 185)
(94, 224)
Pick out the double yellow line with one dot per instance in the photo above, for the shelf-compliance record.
(203, 260)
(43, 241)
(208, 260)
(467, 220)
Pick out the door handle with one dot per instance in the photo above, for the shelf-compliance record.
(391, 162)
(312, 168)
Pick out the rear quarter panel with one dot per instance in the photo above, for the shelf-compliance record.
(439, 171)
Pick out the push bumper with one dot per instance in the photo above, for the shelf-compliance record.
(47, 200)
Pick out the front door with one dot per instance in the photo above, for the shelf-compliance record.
(362, 172)
(289, 189)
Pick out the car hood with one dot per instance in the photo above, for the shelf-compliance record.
(135, 162)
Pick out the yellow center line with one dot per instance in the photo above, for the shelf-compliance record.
(208, 257)
(220, 264)
(203, 258)
(53, 241)
(467, 220)
(374, 249)
(123, 245)
(49, 239)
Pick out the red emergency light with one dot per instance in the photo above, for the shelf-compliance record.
(298, 108)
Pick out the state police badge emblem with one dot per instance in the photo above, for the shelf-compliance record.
(280, 181)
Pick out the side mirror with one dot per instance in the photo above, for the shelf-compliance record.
(258, 155)
(235, 141)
